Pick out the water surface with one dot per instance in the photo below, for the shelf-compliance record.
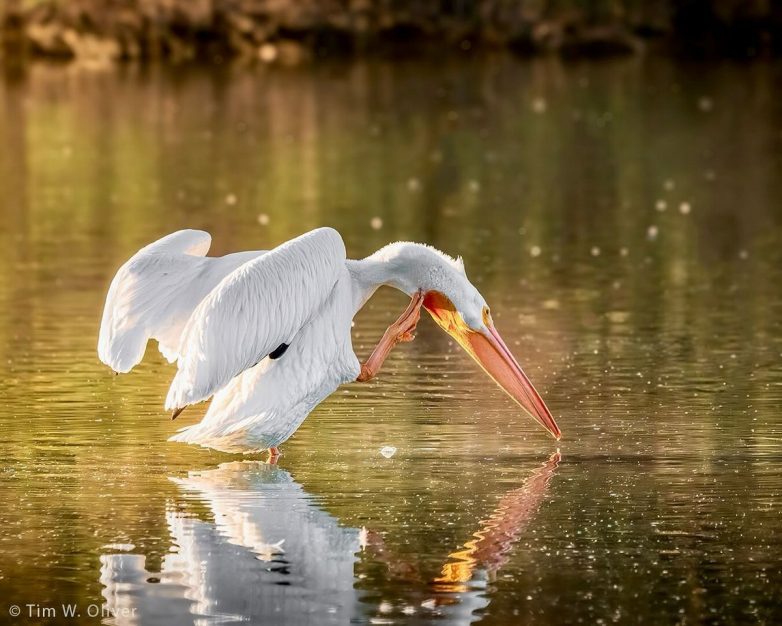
(622, 219)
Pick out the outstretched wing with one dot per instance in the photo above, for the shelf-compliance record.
(261, 305)
(154, 293)
(265, 404)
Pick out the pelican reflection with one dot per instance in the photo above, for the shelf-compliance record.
(271, 555)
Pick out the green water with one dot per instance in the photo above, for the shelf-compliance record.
(623, 220)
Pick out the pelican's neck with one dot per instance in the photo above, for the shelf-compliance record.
(368, 275)
(405, 266)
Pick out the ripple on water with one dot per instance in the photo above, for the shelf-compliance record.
(658, 358)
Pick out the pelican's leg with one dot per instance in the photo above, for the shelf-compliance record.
(274, 454)
(400, 331)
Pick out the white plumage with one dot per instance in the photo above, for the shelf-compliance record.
(264, 405)
(154, 294)
(267, 333)
(257, 307)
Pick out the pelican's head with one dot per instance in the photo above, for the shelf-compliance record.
(461, 311)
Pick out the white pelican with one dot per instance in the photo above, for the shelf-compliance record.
(266, 334)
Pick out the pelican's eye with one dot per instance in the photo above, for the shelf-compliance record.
(486, 316)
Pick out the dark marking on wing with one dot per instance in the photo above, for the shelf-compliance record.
(278, 351)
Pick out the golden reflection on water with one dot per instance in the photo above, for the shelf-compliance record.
(652, 330)
(499, 532)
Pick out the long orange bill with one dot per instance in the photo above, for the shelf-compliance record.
(491, 353)
(493, 356)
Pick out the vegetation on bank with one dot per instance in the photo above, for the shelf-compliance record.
(291, 31)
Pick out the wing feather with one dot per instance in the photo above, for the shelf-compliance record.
(154, 293)
(137, 300)
(253, 310)
(265, 404)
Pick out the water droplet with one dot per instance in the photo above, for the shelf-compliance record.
(267, 53)
(539, 105)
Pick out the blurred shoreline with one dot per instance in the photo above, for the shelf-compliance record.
(291, 32)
